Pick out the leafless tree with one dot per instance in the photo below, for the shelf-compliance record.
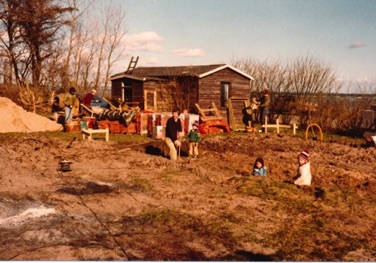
(111, 31)
(80, 7)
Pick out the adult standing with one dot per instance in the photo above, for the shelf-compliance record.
(264, 106)
(173, 132)
(87, 99)
(69, 99)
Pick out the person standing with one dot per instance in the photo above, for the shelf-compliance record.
(87, 100)
(264, 106)
(69, 99)
(173, 132)
(194, 138)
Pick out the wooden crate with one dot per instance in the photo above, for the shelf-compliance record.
(114, 127)
(158, 132)
(103, 124)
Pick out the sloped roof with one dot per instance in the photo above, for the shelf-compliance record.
(144, 73)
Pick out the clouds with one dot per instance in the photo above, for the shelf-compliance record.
(357, 45)
(145, 41)
(189, 52)
(150, 41)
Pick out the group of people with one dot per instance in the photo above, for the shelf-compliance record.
(303, 177)
(258, 109)
(174, 132)
(69, 101)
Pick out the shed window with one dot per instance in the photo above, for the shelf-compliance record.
(225, 91)
(150, 100)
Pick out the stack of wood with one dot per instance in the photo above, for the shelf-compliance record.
(119, 120)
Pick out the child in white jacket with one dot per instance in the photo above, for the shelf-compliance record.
(304, 176)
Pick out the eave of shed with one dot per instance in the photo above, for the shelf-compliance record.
(223, 67)
(148, 73)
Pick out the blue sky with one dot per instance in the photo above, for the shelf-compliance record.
(340, 33)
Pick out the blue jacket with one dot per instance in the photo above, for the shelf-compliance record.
(262, 171)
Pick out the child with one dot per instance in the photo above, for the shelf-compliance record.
(259, 168)
(304, 176)
(254, 107)
(194, 138)
(254, 104)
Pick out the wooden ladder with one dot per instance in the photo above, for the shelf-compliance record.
(132, 65)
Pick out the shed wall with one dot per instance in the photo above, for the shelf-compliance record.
(138, 93)
(210, 90)
(116, 89)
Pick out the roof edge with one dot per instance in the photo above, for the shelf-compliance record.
(223, 67)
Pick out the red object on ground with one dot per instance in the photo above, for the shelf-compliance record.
(214, 127)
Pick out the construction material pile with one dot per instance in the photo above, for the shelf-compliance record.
(14, 118)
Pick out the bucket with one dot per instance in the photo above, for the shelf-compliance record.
(72, 126)
(90, 122)
(64, 166)
(83, 125)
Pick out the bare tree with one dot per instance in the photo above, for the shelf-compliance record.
(111, 32)
(116, 31)
(310, 76)
(80, 7)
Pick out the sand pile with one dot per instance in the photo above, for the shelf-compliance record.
(14, 118)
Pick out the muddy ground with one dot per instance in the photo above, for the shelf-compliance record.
(127, 201)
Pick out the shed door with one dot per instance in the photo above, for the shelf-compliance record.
(225, 93)
(127, 94)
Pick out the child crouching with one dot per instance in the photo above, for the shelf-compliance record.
(259, 167)
(304, 176)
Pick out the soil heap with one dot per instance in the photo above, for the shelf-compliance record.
(14, 118)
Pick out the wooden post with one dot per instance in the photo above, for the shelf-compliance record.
(266, 124)
(294, 128)
(277, 126)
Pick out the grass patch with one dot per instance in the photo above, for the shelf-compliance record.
(314, 228)
(67, 136)
(142, 184)
(169, 175)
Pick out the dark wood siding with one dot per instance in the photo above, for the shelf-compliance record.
(184, 91)
(116, 89)
(138, 93)
(210, 90)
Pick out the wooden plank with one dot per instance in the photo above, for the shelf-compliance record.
(231, 115)
(236, 113)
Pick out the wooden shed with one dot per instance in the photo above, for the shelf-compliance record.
(160, 89)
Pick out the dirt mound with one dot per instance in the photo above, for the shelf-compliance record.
(127, 201)
(14, 118)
